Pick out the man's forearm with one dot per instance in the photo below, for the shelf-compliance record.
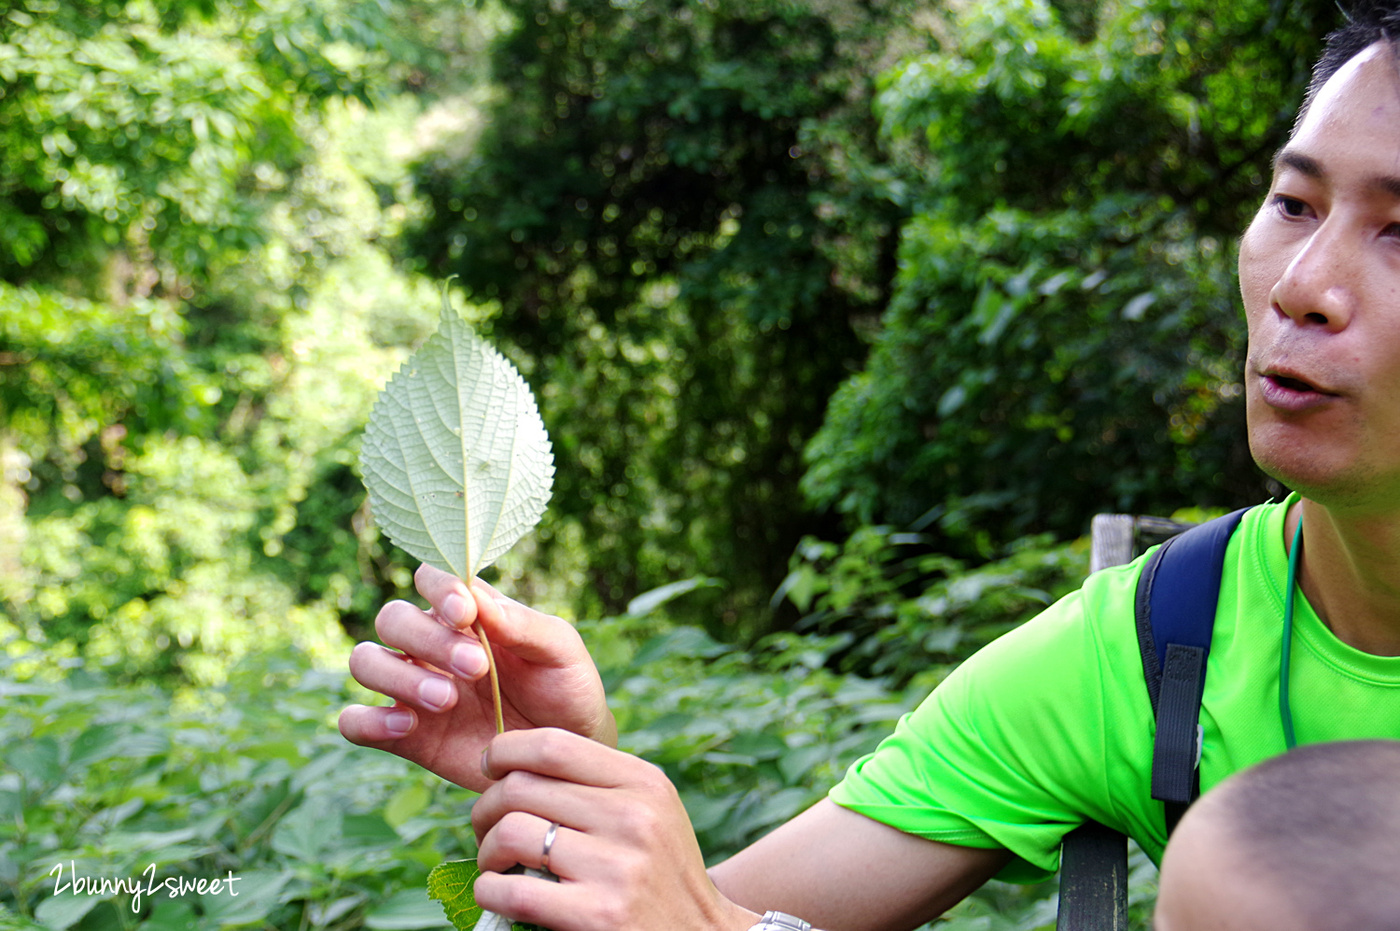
(842, 871)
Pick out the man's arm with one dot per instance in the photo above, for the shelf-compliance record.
(628, 860)
(842, 871)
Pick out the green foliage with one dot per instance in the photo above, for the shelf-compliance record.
(201, 253)
(160, 131)
(894, 608)
(750, 738)
(681, 210)
(1063, 335)
(197, 311)
(250, 780)
(73, 367)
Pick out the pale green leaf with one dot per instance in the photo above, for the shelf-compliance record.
(455, 456)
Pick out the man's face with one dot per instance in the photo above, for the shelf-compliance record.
(1320, 277)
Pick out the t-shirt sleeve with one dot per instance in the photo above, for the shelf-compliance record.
(1034, 734)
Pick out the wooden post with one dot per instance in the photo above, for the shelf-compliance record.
(1094, 858)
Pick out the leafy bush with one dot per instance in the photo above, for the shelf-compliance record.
(1063, 334)
(893, 608)
(250, 779)
(681, 210)
(198, 305)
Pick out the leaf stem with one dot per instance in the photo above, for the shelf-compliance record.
(494, 677)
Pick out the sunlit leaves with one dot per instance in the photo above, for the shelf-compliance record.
(186, 187)
(676, 205)
(1063, 335)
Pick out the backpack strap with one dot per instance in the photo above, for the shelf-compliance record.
(1175, 609)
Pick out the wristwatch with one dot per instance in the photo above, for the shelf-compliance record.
(780, 921)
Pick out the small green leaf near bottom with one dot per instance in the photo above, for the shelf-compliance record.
(451, 884)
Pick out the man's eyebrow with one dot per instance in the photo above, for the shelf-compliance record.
(1312, 168)
(1388, 184)
(1303, 164)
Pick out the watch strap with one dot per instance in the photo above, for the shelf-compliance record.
(780, 921)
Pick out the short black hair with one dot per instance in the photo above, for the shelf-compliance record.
(1321, 824)
(1367, 22)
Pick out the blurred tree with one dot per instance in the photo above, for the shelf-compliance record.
(687, 225)
(683, 213)
(1063, 336)
(182, 186)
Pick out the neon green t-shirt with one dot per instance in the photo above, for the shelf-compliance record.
(1051, 724)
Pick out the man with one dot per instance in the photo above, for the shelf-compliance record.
(1047, 726)
(1306, 841)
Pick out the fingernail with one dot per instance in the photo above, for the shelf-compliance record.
(454, 609)
(485, 763)
(468, 660)
(435, 692)
(399, 723)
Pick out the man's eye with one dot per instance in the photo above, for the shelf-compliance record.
(1290, 206)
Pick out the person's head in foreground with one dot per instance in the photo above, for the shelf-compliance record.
(1306, 841)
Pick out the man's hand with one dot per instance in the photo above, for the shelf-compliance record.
(625, 852)
(442, 716)
(627, 858)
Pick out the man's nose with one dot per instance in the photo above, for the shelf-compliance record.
(1319, 286)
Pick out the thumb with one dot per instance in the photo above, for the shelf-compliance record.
(528, 634)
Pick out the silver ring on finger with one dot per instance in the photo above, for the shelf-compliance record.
(549, 836)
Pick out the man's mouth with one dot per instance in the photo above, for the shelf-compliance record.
(1287, 391)
(1291, 383)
